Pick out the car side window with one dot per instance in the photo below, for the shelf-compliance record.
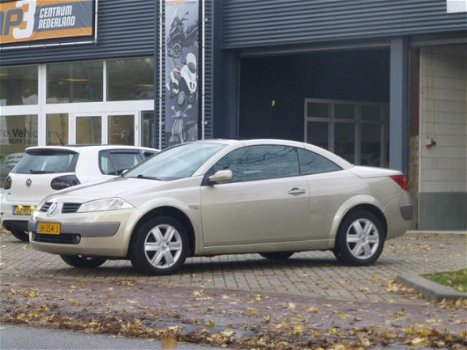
(313, 163)
(114, 162)
(260, 162)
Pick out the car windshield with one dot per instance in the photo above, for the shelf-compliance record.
(177, 162)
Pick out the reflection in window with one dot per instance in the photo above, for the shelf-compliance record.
(74, 82)
(16, 133)
(312, 163)
(88, 130)
(18, 85)
(57, 129)
(260, 162)
(130, 79)
(121, 129)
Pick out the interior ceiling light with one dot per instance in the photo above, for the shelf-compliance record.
(76, 80)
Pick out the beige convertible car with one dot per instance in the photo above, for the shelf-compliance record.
(271, 197)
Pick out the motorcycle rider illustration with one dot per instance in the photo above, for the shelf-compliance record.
(183, 82)
(179, 37)
(182, 132)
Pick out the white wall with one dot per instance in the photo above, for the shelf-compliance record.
(443, 109)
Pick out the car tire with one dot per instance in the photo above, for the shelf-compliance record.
(360, 239)
(277, 256)
(160, 246)
(21, 235)
(83, 262)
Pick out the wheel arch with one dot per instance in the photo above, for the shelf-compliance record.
(369, 208)
(174, 213)
(362, 202)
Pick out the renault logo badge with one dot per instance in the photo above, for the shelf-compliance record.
(52, 208)
(28, 182)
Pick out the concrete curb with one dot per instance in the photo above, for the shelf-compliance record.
(430, 290)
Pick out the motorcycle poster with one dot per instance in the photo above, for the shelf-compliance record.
(181, 70)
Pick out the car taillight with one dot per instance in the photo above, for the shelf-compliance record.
(401, 181)
(7, 184)
(65, 181)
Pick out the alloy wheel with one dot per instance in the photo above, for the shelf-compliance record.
(362, 238)
(163, 246)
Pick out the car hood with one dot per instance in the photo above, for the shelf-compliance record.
(129, 189)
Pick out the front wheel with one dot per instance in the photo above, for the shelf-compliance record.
(360, 239)
(83, 262)
(160, 246)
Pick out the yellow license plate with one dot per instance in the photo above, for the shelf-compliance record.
(23, 209)
(47, 228)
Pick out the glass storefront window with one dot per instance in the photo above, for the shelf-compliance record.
(89, 130)
(57, 129)
(344, 141)
(318, 134)
(147, 128)
(318, 110)
(75, 82)
(371, 112)
(16, 133)
(371, 144)
(357, 131)
(18, 85)
(121, 129)
(130, 79)
(344, 111)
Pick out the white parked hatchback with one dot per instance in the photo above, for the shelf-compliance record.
(45, 170)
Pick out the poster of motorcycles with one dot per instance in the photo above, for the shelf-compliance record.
(181, 70)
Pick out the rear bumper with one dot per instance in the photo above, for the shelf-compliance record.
(7, 217)
(15, 225)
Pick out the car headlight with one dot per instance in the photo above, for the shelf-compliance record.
(104, 204)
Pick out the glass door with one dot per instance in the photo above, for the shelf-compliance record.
(117, 128)
(88, 129)
(121, 129)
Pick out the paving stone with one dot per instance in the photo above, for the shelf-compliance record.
(313, 274)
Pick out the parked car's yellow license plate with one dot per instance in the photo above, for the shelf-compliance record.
(23, 209)
(48, 228)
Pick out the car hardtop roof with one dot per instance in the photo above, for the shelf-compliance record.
(248, 142)
(85, 146)
(252, 141)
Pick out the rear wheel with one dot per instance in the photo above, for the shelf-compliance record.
(278, 256)
(83, 262)
(21, 235)
(160, 246)
(360, 239)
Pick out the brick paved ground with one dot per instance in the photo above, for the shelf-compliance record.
(312, 274)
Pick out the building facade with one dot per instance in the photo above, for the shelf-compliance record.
(381, 83)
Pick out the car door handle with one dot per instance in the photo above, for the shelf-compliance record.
(296, 191)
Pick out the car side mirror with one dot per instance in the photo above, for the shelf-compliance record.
(221, 177)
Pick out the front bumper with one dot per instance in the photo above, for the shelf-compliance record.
(105, 233)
